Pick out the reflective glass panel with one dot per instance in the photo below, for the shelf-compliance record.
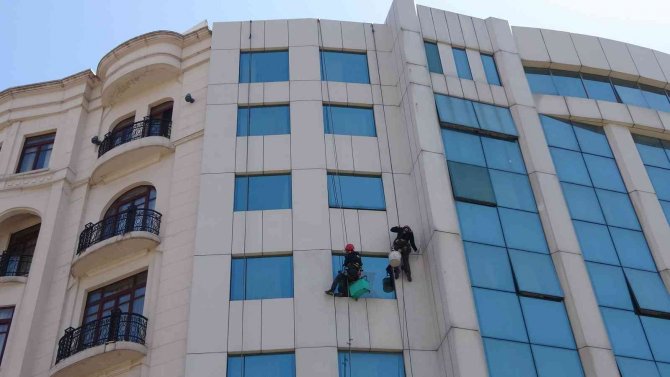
(479, 224)
(636, 367)
(433, 56)
(535, 273)
(374, 269)
(490, 69)
(626, 334)
(609, 284)
(595, 242)
(660, 179)
(649, 290)
(346, 120)
(344, 67)
(471, 183)
(557, 362)
(494, 118)
(652, 151)
(499, 315)
(370, 364)
(599, 88)
(568, 84)
(268, 192)
(523, 230)
(592, 140)
(263, 120)
(629, 93)
(559, 133)
(604, 173)
(462, 63)
(274, 365)
(489, 267)
(540, 81)
(463, 147)
(547, 322)
(266, 277)
(618, 209)
(656, 98)
(263, 66)
(632, 249)
(582, 203)
(508, 359)
(658, 335)
(503, 155)
(360, 192)
(570, 166)
(512, 190)
(456, 111)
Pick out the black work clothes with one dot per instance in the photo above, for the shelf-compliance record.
(404, 234)
(351, 269)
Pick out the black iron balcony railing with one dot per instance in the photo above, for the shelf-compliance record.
(117, 327)
(138, 130)
(132, 220)
(14, 264)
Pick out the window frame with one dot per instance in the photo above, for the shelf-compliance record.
(329, 124)
(245, 277)
(249, 125)
(323, 66)
(342, 205)
(8, 322)
(251, 53)
(138, 281)
(463, 72)
(440, 69)
(494, 67)
(43, 146)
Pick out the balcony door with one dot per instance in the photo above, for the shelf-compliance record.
(129, 211)
(123, 132)
(16, 260)
(160, 117)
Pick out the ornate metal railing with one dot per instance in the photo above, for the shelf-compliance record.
(144, 128)
(117, 327)
(132, 220)
(14, 264)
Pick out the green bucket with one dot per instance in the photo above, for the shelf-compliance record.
(359, 288)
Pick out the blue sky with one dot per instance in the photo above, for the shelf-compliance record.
(47, 39)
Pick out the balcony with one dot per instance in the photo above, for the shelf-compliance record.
(114, 339)
(144, 141)
(115, 238)
(14, 267)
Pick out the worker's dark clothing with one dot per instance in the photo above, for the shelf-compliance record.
(406, 234)
(404, 240)
(351, 269)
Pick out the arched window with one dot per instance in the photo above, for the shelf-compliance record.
(123, 131)
(141, 197)
(160, 119)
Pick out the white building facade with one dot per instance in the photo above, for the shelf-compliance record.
(182, 211)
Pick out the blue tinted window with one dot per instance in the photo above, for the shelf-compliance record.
(559, 133)
(512, 190)
(592, 140)
(499, 315)
(374, 269)
(265, 120)
(275, 365)
(547, 322)
(649, 290)
(540, 81)
(523, 230)
(658, 335)
(595, 242)
(568, 84)
(369, 364)
(471, 183)
(535, 273)
(263, 66)
(262, 192)
(666, 208)
(463, 147)
(494, 118)
(629, 93)
(660, 179)
(433, 56)
(456, 111)
(632, 249)
(656, 98)
(343, 120)
(489, 267)
(479, 224)
(557, 362)
(570, 166)
(261, 278)
(599, 88)
(344, 67)
(462, 63)
(618, 209)
(490, 69)
(626, 334)
(508, 359)
(582, 203)
(664, 369)
(503, 155)
(604, 173)
(652, 151)
(350, 191)
(636, 367)
(609, 284)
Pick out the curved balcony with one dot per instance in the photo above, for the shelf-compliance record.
(116, 237)
(14, 267)
(117, 338)
(145, 140)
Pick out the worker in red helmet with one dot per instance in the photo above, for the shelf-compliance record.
(350, 272)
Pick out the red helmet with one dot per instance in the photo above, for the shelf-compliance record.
(349, 248)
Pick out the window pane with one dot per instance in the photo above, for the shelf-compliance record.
(632, 249)
(264, 66)
(540, 81)
(592, 140)
(463, 147)
(456, 111)
(241, 193)
(370, 364)
(599, 88)
(433, 56)
(629, 93)
(656, 98)
(234, 366)
(479, 224)
(489, 267)
(267, 192)
(595, 242)
(503, 155)
(499, 315)
(652, 151)
(582, 203)
(664, 369)
(666, 209)
(660, 179)
(269, 277)
(462, 64)
(264, 120)
(636, 367)
(243, 121)
(275, 365)
(27, 161)
(535, 273)
(494, 118)
(344, 67)
(609, 284)
(649, 290)
(618, 209)
(471, 183)
(626, 333)
(360, 192)
(547, 322)
(568, 84)
(658, 336)
(604, 173)
(343, 120)
(490, 69)
(508, 359)
(375, 270)
(557, 362)
(43, 158)
(570, 166)
(512, 190)
(559, 133)
(523, 230)
(237, 278)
